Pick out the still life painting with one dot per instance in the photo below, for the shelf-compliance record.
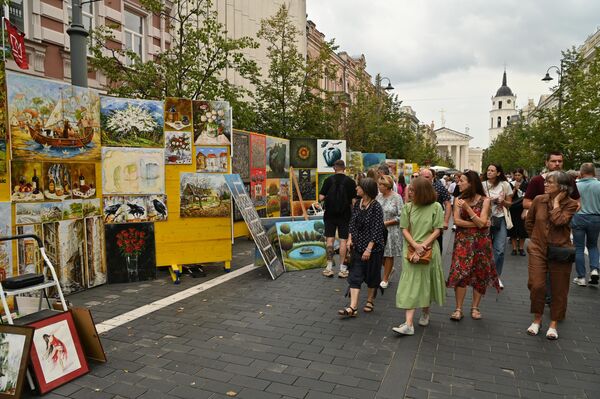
(130, 122)
(178, 114)
(132, 253)
(133, 171)
(329, 151)
(83, 180)
(15, 346)
(302, 244)
(212, 159)
(204, 195)
(178, 148)
(212, 123)
(26, 179)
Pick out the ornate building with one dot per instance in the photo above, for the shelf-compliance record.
(454, 145)
(503, 109)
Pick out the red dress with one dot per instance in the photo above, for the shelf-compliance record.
(472, 257)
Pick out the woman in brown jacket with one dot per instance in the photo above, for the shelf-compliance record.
(548, 223)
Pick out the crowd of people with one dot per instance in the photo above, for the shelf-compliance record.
(377, 219)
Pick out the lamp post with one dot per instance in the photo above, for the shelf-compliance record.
(78, 42)
(548, 78)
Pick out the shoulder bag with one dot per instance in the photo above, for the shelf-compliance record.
(426, 257)
(559, 254)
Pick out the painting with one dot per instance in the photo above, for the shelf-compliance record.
(52, 212)
(321, 179)
(178, 148)
(135, 209)
(115, 210)
(71, 255)
(273, 201)
(56, 181)
(72, 209)
(56, 353)
(372, 159)
(29, 258)
(26, 181)
(3, 126)
(27, 212)
(50, 238)
(132, 253)
(15, 346)
(95, 268)
(278, 157)
(284, 197)
(268, 253)
(302, 244)
(307, 183)
(91, 207)
(133, 171)
(393, 165)
(212, 123)
(303, 153)
(297, 207)
(258, 187)
(237, 214)
(329, 151)
(258, 151)
(128, 122)
(83, 180)
(178, 115)
(355, 163)
(5, 246)
(240, 158)
(204, 195)
(156, 208)
(212, 159)
(52, 120)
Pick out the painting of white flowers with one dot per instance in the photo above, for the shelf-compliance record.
(212, 122)
(127, 122)
(178, 148)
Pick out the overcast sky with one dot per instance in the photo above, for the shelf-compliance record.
(450, 54)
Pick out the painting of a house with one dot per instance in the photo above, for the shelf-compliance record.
(204, 195)
(212, 159)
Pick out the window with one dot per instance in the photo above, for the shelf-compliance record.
(507, 120)
(499, 104)
(499, 121)
(508, 101)
(87, 17)
(15, 14)
(134, 35)
(492, 123)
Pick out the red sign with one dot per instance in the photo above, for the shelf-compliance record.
(17, 45)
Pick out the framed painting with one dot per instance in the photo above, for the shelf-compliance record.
(303, 153)
(273, 200)
(52, 212)
(52, 121)
(355, 163)
(133, 171)
(131, 251)
(302, 244)
(258, 187)
(178, 115)
(91, 207)
(156, 208)
(240, 158)
(95, 268)
(26, 181)
(178, 148)
(135, 209)
(71, 255)
(27, 212)
(372, 159)
(83, 180)
(278, 157)
(115, 210)
(15, 346)
(29, 258)
(307, 184)
(284, 197)
(129, 122)
(56, 353)
(258, 151)
(56, 181)
(72, 209)
(329, 151)
(204, 195)
(5, 246)
(212, 122)
(212, 159)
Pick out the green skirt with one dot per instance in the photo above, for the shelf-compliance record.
(421, 285)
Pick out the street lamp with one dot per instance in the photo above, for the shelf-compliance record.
(389, 86)
(78, 43)
(548, 78)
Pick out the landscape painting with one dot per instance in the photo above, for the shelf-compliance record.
(302, 244)
(212, 159)
(240, 159)
(25, 181)
(129, 122)
(132, 253)
(72, 209)
(71, 255)
(95, 268)
(5, 246)
(178, 148)
(307, 183)
(204, 195)
(52, 120)
(29, 258)
(355, 163)
(135, 209)
(83, 180)
(372, 159)
(91, 207)
(212, 123)
(133, 171)
(28, 212)
(329, 151)
(303, 153)
(273, 201)
(258, 151)
(15, 344)
(278, 157)
(115, 210)
(156, 208)
(178, 114)
(52, 212)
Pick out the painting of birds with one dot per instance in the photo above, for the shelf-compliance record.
(161, 209)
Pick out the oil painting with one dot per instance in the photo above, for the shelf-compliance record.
(273, 201)
(284, 197)
(178, 114)
(29, 258)
(52, 120)
(329, 151)
(71, 255)
(302, 244)
(178, 148)
(56, 181)
(355, 163)
(25, 181)
(278, 157)
(132, 253)
(258, 187)
(115, 210)
(52, 212)
(303, 153)
(50, 239)
(91, 207)
(83, 180)
(156, 208)
(240, 159)
(5, 246)
(3, 126)
(212, 159)
(72, 209)
(372, 159)
(393, 165)
(212, 123)
(307, 184)
(258, 151)
(204, 195)
(321, 179)
(95, 268)
(133, 171)
(297, 207)
(27, 212)
(15, 346)
(128, 122)
(135, 209)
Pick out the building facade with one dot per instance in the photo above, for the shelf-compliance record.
(503, 109)
(454, 145)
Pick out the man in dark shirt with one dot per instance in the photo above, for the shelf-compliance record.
(337, 192)
(443, 197)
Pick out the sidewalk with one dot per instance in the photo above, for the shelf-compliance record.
(256, 338)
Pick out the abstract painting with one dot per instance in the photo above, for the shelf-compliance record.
(258, 187)
(115, 210)
(27, 212)
(258, 151)
(284, 197)
(132, 253)
(204, 195)
(83, 180)
(52, 212)
(135, 209)
(26, 181)
(91, 207)
(307, 183)
(72, 209)
(5, 246)
(355, 163)
(273, 201)
(56, 181)
(133, 171)
(302, 244)
(212, 123)
(303, 153)
(178, 148)
(15, 344)
(278, 157)
(95, 268)
(178, 114)
(212, 159)
(156, 208)
(329, 151)
(241, 154)
(71, 255)
(51, 120)
(29, 258)
(372, 159)
(128, 122)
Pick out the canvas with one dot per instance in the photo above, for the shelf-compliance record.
(273, 200)
(307, 183)
(83, 180)
(56, 181)
(212, 123)
(329, 151)
(115, 210)
(240, 158)
(91, 207)
(156, 208)
(278, 157)
(135, 209)
(71, 255)
(258, 187)
(303, 153)
(302, 244)
(27, 212)
(26, 181)
(355, 163)
(50, 239)
(204, 195)
(133, 171)
(297, 207)
(178, 114)
(52, 120)
(372, 160)
(178, 148)
(258, 152)
(401, 164)
(95, 268)
(128, 122)
(15, 346)
(130, 252)
(284, 197)
(72, 209)
(29, 258)
(393, 165)
(212, 159)
(5, 246)
(3, 125)
(52, 212)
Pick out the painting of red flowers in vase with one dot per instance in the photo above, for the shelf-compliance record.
(130, 252)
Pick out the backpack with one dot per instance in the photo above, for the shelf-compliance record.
(336, 200)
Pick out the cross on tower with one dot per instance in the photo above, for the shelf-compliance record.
(442, 112)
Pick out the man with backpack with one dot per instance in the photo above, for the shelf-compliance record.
(337, 193)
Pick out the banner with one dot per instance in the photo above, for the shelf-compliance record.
(16, 40)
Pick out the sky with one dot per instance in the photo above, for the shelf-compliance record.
(450, 54)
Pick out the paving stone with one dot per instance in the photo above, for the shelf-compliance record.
(287, 390)
(314, 384)
(125, 390)
(190, 393)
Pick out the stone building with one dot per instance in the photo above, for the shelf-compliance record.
(503, 109)
(455, 145)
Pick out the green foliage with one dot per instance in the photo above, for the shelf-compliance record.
(286, 242)
(285, 228)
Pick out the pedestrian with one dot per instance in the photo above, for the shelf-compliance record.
(391, 203)
(421, 283)
(500, 193)
(384, 170)
(472, 258)
(401, 185)
(518, 234)
(367, 242)
(337, 192)
(586, 224)
(548, 226)
(443, 198)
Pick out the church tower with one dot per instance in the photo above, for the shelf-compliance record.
(503, 109)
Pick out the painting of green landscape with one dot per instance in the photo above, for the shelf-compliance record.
(302, 244)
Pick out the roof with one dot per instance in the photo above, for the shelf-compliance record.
(504, 90)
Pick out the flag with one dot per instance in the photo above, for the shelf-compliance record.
(17, 45)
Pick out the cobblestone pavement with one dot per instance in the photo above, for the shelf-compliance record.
(256, 338)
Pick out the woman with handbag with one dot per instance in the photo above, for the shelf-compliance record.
(550, 249)
(391, 203)
(518, 234)
(472, 258)
(422, 278)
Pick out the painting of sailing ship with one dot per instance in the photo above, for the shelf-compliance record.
(51, 120)
(131, 123)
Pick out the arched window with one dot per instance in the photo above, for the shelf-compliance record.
(507, 120)
(499, 104)
(492, 123)
(499, 121)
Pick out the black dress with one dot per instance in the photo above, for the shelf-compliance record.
(516, 209)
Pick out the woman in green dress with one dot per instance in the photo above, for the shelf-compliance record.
(421, 221)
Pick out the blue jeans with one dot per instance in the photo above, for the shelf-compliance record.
(499, 234)
(586, 229)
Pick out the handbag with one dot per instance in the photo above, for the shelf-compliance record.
(560, 254)
(423, 259)
(507, 218)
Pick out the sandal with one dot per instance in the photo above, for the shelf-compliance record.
(369, 307)
(552, 334)
(475, 314)
(534, 329)
(348, 312)
(457, 315)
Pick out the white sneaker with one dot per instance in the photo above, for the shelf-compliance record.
(580, 281)
(594, 277)
(328, 272)
(404, 329)
(384, 284)
(501, 285)
(424, 319)
(343, 274)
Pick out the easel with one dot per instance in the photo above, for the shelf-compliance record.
(297, 187)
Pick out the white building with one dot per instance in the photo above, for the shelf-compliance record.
(503, 108)
(455, 145)
(475, 159)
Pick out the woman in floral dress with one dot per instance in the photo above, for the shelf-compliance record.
(472, 258)
(391, 202)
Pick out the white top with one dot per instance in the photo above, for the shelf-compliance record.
(493, 192)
